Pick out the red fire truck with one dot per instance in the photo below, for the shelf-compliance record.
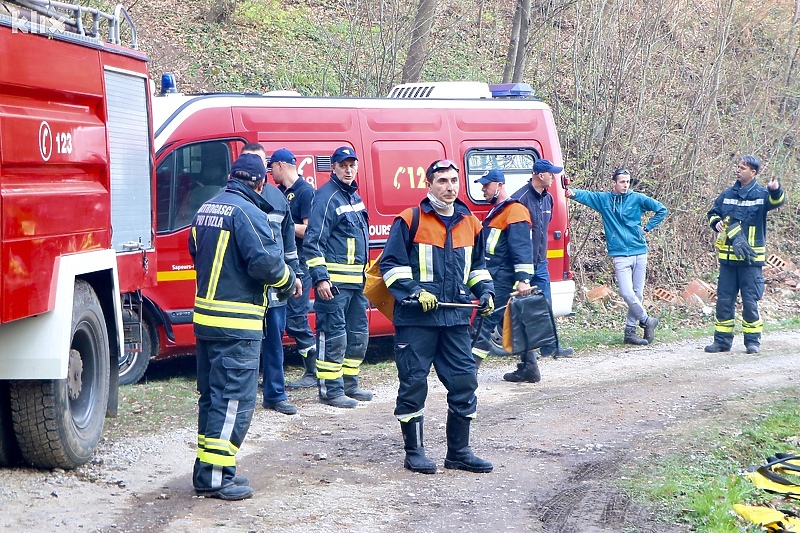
(197, 137)
(76, 156)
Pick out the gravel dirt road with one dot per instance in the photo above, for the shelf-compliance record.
(557, 447)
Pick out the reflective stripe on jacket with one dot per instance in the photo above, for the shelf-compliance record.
(336, 243)
(282, 226)
(235, 257)
(448, 262)
(744, 209)
(507, 237)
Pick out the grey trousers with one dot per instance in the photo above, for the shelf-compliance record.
(630, 273)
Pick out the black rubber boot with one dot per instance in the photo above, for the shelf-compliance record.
(309, 378)
(717, 346)
(415, 460)
(632, 337)
(649, 326)
(527, 370)
(232, 492)
(339, 401)
(351, 390)
(459, 454)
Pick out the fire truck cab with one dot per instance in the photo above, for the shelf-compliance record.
(198, 136)
(75, 162)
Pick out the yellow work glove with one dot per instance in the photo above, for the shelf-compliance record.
(427, 300)
(486, 304)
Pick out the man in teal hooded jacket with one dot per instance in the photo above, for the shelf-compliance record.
(622, 211)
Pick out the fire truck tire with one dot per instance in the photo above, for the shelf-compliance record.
(59, 422)
(132, 366)
(9, 450)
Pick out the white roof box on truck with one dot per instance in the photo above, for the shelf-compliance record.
(461, 90)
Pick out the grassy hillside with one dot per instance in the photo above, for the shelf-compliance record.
(672, 90)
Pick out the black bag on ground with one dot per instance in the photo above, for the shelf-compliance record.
(528, 323)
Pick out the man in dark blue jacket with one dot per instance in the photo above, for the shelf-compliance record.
(622, 211)
(274, 388)
(299, 194)
(443, 263)
(235, 256)
(739, 216)
(336, 251)
(539, 202)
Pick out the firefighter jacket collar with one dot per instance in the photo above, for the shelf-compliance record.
(237, 187)
(459, 208)
(349, 189)
(743, 191)
(538, 194)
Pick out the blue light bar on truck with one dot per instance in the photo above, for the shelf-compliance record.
(168, 84)
(511, 90)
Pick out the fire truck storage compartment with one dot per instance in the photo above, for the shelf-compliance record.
(129, 146)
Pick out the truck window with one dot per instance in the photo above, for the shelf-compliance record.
(188, 177)
(516, 164)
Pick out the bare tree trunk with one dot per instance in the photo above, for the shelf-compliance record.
(513, 43)
(479, 22)
(418, 49)
(522, 46)
(221, 11)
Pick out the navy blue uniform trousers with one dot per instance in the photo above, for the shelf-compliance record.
(748, 281)
(227, 380)
(448, 350)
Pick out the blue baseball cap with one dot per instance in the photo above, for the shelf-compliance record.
(543, 165)
(248, 167)
(342, 153)
(493, 175)
(282, 155)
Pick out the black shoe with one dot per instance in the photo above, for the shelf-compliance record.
(340, 401)
(308, 380)
(632, 337)
(283, 407)
(229, 493)
(752, 348)
(241, 481)
(559, 352)
(649, 326)
(716, 348)
(528, 372)
(359, 394)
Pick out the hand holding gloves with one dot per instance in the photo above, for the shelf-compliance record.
(742, 249)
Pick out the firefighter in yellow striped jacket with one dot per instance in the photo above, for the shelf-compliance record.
(739, 216)
(236, 259)
(336, 251)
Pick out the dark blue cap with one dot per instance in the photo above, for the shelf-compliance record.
(492, 175)
(342, 153)
(543, 165)
(248, 167)
(282, 155)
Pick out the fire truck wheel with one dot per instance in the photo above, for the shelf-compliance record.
(59, 422)
(132, 366)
